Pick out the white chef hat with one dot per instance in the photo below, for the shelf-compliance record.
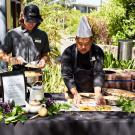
(84, 29)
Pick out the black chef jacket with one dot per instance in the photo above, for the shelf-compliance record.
(92, 60)
(29, 45)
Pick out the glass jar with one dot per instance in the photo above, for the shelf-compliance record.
(37, 93)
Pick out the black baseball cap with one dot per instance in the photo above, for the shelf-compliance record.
(32, 14)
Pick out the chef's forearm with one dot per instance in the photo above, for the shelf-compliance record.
(97, 91)
(74, 91)
(69, 82)
(98, 84)
(99, 78)
(1, 54)
(4, 57)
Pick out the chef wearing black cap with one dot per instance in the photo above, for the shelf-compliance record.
(82, 65)
(27, 43)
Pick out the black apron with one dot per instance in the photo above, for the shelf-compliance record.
(83, 77)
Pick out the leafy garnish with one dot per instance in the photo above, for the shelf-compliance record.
(127, 104)
(57, 107)
(15, 115)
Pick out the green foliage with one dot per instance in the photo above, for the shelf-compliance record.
(56, 107)
(119, 16)
(127, 105)
(100, 29)
(108, 60)
(57, 20)
(15, 115)
(54, 53)
(1, 115)
(111, 62)
(53, 79)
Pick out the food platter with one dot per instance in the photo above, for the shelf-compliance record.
(105, 108)
(95, 108)
(118, 92)
(90, 107)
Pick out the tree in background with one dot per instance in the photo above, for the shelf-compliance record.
(100, 29)
(119, 17)
(57, 20)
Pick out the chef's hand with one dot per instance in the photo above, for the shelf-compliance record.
(76, 96)
(77, 99)
(1, 54)
(5, 57)
(100, 100)
(41, 63)
(17, 60)
(98, 96)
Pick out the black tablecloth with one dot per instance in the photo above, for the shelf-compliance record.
(80, 123)
(74, 123)
(6, 129)
(55, 96)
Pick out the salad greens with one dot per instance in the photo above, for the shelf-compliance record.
(17, 114)
(56, 107)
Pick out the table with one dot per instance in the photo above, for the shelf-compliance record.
(80, 123)
(74, 123)
(6, 129)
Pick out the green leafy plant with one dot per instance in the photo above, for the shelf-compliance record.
(58, 20)
(108, 60)
(127, 104)
(1, 116)
(119, 17)
(15, 115)
(56, 107)
(53, 82)
(111, 62)
(100, 29)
